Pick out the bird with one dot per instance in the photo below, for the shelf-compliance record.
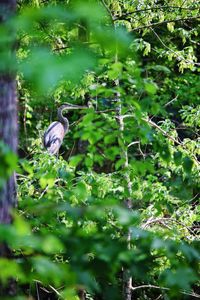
(55, 133)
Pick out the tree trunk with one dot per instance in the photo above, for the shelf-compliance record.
(8, 113)
(127, 278)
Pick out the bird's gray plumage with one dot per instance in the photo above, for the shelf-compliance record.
(54, 135)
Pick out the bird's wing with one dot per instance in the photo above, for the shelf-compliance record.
(53, 137)
(48, 133)
(54, 146)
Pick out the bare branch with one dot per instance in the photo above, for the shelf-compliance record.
(144, 286)
(171, 101)
(133, 143)
(161, 130)
(108, 9)
(150, 286)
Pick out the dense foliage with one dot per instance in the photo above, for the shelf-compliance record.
(123, 192)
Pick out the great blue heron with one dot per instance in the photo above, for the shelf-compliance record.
(56, 131)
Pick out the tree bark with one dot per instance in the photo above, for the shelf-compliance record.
(8, 113)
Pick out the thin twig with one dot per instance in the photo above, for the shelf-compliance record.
(133, 143)
(144, 286)
(183, 203)
(108, 10)
(47, 291)
(57, 293)
(171, 101)
(140, 150)
(37, 290)
(47, 187)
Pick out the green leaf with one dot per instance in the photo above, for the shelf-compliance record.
(187, 164)
(22, 227)
(75, 160)
(52, 245)
(177, 158)
(11, 269)
(151, 88)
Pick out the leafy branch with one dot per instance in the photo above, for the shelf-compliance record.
(165, 22)
(178, 56)
(153, 124)
(155, 8)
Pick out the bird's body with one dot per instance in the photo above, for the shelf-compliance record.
(54, 136)
(55, 133)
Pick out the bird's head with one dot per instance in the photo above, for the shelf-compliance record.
(67, 106)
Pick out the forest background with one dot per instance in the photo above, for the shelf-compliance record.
(115, 215)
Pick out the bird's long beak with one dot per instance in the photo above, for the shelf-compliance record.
(70, 106)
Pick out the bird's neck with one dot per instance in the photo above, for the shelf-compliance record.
(63, 120)
(66, 125)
